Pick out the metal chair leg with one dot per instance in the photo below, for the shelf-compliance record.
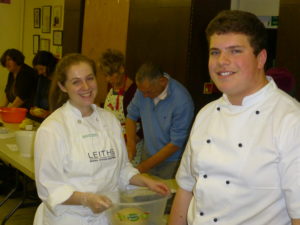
(21, 203)
(13, 190)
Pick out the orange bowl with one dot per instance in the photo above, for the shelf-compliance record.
(13, 115)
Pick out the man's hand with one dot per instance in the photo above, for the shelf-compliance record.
(180, 207)
(157, 158)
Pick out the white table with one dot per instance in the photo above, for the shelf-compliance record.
(24, 167)
(14, 158)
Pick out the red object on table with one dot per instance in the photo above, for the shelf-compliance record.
(13, 115)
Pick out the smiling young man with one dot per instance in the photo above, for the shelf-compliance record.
(241, 163)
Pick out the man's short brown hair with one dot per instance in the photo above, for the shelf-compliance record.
(240, 22)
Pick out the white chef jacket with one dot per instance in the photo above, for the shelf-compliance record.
(75, 153)
(242, 163)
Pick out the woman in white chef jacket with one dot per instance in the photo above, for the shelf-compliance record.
(80, 154)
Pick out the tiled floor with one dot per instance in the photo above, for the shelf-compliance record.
(23, 216)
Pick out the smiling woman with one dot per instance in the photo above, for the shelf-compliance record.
(75, 80)
(81, 87)
(85, 144)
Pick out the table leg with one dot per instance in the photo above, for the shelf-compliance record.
(13, 190)
(21, 203)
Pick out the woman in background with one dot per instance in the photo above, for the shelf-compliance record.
(122, 90)
(44, 63)
(22, 80)
(85, 157)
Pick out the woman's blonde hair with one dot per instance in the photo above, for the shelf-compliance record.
(56, 96)
(111, 61)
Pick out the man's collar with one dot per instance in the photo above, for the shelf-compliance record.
(164, 94)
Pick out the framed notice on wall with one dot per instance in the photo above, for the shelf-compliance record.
(44, 44)
(46, 19)
(36, 17)
(36, 43)
(56, 16)
(57, 37)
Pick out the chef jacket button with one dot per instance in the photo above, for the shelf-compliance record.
(257, 112)
(205, 176)
(208, 141)
(227, 182)
(79, 121)
(240, 145)
(218, 108)
(215, 220)
(201, 213)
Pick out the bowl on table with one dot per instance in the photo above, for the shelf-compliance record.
(13, 115)
(139, 206)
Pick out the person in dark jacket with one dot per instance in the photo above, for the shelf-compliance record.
(22, 80)
(44, 63)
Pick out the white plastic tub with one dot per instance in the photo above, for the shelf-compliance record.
(25, 142)
(138, 207)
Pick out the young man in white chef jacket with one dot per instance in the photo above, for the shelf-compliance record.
(241, 165)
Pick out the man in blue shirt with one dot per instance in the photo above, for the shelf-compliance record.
(166, 110)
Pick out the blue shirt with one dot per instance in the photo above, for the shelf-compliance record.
(167, 122)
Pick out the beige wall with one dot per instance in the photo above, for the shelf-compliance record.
(11, 25)
(258, 7)
(29, 31)
(105, 26)
(16, 24)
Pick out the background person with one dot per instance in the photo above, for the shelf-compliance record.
(241, 163)
(112, 63)
(166, 110)
(44, 63)
(283, 78)
(85, 156)
(22, 80)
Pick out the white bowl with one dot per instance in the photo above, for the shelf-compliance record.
(138, 207)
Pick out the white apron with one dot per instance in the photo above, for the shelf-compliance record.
(114, 104)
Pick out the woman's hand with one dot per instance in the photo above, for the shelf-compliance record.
(152, 184)
(39, 112)
(97, 203)
(157, 186)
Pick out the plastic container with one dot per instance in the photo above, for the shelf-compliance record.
(25, 142)
(138, 207)
(13, 115)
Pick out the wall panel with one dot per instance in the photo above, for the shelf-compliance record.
(105, 26)
(288, 36)
(159, 31)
